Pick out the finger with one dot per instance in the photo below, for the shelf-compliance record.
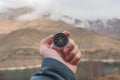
(47, 41)
(57, 49)
(66, 33)
(76, 59)
(71, 55)
(69, 47)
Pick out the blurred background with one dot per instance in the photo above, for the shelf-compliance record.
(93, 24)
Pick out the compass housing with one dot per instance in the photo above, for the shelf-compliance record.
(60, 40)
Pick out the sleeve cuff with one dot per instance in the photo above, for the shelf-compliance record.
(59, 68)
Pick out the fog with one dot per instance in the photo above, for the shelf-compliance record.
(81, 9)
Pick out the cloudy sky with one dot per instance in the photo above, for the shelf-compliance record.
(82, 9)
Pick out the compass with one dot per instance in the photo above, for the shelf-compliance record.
(60, 40)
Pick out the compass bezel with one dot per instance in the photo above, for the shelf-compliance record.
(63, 35)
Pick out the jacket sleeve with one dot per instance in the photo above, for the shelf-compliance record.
(52, 69)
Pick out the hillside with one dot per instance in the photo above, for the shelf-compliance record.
(23, 44)
(45, 24)
(110, 27)
(94, 45)
(19, 40)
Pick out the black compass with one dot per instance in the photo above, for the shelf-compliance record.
(60, 40)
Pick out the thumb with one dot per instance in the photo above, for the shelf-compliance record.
(47, 41)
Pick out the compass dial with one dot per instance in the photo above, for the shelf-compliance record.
(60, 40)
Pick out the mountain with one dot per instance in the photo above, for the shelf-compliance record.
(94, 45)
(22, 45)
(13, 25)
(19, 40)
(9, 22)
(110, 27)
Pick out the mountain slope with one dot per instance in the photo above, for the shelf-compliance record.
(19, 40)
(29, 39)
(45, 24)
(110, 27)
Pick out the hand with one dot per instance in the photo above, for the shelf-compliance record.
(69, 56)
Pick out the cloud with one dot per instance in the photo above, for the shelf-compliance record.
(82, 9)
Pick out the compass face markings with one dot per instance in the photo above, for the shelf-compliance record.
(60, 40)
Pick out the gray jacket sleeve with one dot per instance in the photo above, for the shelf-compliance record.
(52, 69)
